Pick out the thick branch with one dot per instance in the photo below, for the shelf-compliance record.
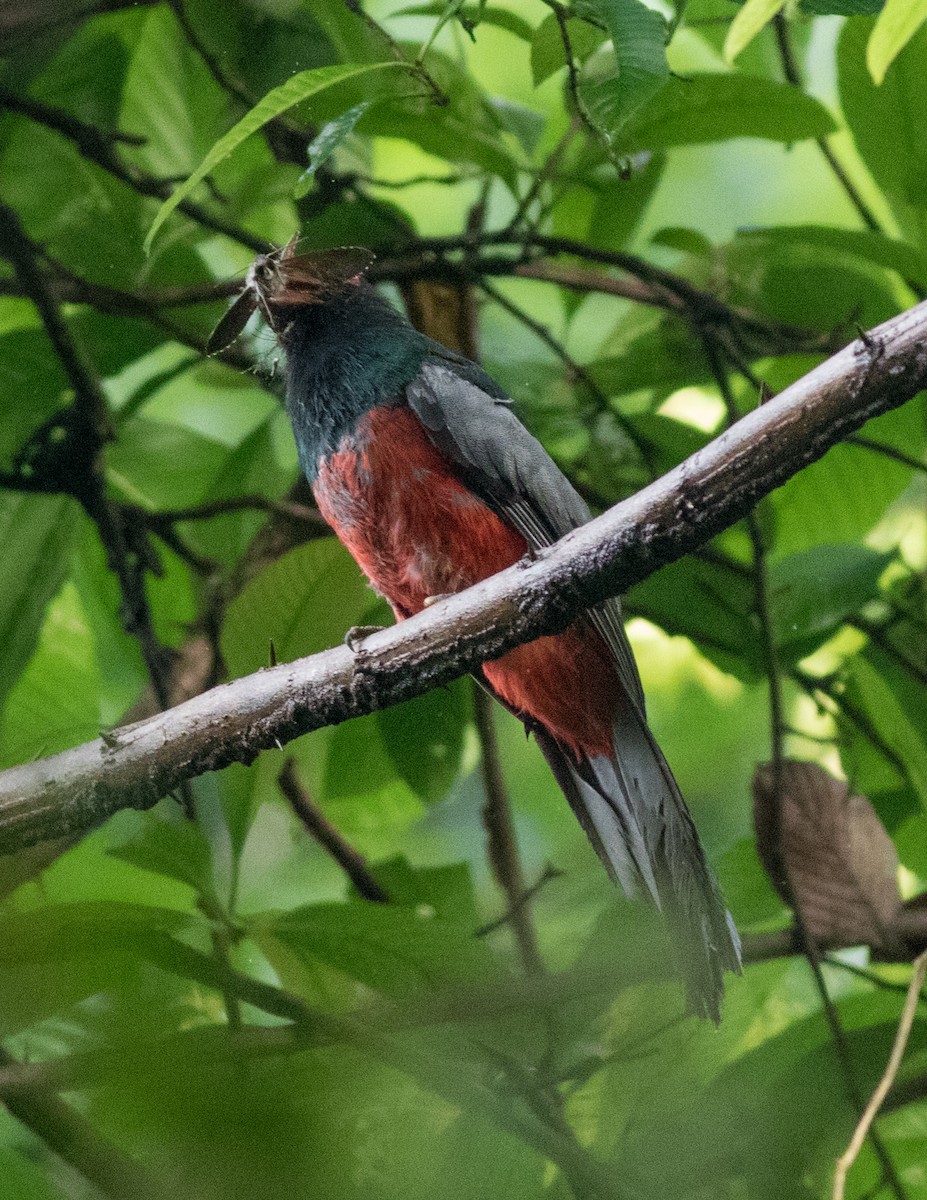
(671, 517)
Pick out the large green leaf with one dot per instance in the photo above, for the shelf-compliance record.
(747, 23)
(708, 603)
(638, 35)
(296, 90)
(36, 534)
(889, 122)
(304, 602)
(170, 93)
(547, 51)
(424, 738)
(714, 108)
(814, 592)
(177, 849)
(389, 947)
(864, 244)
(891, 704)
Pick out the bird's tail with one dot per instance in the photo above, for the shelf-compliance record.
(633, 813)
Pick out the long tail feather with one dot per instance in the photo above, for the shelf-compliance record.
(634, 815)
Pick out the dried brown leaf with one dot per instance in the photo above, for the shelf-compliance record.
(829, 849)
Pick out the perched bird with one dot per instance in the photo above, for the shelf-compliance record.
(424, 472)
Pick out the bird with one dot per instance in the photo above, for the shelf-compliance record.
(420, 465)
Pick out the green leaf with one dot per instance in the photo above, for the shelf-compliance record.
(36, 533)
(178, 850)
(716, 107)
(864, 244)
(638, 36)
(619, 209)
(390, 947)
(523, 123)
(814, 592)
(898, 22)
(424, 738)
(889, 123)
(170, 93)
(748, 21)
(297, 89)
(710, 604)
(892, 705)
(24, 1179)
(326, 141)
(547, 52)
(304, 602)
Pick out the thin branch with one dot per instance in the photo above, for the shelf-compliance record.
(417, 69)
(84, 477)
(846, 1160)
(793, 76)
(232, 504)
(578, 372)
(676, 514)
(318, 826)
(549, 873)
(501, 840)
(907, 460)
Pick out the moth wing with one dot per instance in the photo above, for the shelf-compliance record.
(231, 326)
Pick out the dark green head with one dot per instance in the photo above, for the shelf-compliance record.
(345, 356)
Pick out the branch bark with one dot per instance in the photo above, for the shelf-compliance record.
(676, 514)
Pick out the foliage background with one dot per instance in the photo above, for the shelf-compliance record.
(788, 186)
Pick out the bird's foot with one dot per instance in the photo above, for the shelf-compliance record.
(358, 633)
(429, 600)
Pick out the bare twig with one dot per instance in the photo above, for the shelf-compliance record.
(876, 1100)
(549, 873)
(793, 76)
(318, 825)
(501, 841)
(763, 610)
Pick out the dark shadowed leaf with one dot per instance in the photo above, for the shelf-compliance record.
(424, 738)
(36, 534)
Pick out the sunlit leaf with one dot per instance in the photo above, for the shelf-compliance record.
(898, 22)
(748, 21)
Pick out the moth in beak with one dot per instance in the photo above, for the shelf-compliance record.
(282, 279)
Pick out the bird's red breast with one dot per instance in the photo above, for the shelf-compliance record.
(399, 506)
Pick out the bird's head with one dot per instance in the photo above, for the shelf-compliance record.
(284, 279)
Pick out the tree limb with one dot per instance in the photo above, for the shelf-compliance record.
(676, 514)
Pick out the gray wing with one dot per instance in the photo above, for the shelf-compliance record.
(469, 418)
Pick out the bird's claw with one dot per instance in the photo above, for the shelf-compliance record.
(357, 634)
(429, 600)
